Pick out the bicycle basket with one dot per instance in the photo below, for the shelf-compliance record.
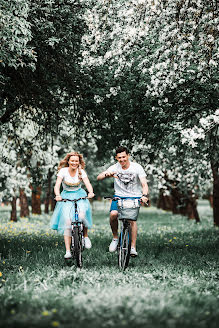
(128, 203)
(128, 208)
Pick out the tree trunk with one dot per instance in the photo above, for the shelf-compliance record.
(210, 198)
(24, 212)
(14, 209)
(191, 209)
(185, 205)
(176, 196)
(164, 202)
(215, 167)
(48, 194)
(160, 200)
(36, 201)
(52, 203)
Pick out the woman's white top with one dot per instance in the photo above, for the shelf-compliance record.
(70, 183)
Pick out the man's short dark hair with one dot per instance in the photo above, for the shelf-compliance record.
(121, 149)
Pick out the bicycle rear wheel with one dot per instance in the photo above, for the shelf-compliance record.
(78, 247)
(124, 246)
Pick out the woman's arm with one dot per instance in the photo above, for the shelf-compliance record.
(89, 187)
(57, 188)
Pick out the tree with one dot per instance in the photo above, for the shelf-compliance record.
(47, 85)
(166, 51)
(13, 178)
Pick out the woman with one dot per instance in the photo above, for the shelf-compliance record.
(71, 174)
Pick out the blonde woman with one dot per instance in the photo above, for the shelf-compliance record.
(71, 174)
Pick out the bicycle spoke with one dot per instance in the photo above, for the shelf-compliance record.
(78, 246)
(124, 247)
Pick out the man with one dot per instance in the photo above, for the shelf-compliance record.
(129, 181)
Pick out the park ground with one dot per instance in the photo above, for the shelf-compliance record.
(174, 282)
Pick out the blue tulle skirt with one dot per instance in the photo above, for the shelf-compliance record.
(64, 212)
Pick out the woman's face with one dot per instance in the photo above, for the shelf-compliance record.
(74, 162)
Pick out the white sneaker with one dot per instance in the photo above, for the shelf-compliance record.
(113, 245)
(133, 252)
(87, 242)
(67, 255)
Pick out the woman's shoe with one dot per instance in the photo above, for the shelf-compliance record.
(67, 255)
(87, 242)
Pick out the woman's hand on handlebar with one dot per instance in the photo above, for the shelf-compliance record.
(90, 195)
(58, 198)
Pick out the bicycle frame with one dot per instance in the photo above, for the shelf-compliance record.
(76, 208)
(124, 245)
(77, 225)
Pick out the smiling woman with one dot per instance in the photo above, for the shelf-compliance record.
(71, 174)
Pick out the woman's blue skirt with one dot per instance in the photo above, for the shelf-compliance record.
(64, 212)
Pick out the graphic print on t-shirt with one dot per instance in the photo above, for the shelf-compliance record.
(126, 179)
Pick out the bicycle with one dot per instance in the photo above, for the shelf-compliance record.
(128, 210)
(77, 241)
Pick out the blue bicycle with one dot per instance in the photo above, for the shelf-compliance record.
(128, 209)
(77, 237)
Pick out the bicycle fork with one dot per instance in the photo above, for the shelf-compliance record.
(123, 233)
(80, 226)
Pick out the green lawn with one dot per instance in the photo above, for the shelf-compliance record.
(174, 282)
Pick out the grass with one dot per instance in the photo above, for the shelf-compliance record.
(174, 282)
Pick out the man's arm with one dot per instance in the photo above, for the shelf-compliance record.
(144, 189)
(106, 174)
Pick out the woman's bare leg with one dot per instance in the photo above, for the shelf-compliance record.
(67, 240)
(85, 232)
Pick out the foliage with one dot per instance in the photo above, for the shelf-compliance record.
(28, 158)
(47, 91)
(160, 60)
(159, 66)
(142, 73)
(15, 34)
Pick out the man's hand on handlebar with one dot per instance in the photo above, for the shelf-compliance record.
(144, 200)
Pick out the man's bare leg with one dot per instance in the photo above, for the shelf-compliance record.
(134, 233)
(114, 223)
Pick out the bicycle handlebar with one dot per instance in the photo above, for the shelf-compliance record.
(72, 200)
(117, 198)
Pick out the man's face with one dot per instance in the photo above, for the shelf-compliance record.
(122, 158)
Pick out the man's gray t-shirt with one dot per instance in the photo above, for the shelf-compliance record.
(127, 183)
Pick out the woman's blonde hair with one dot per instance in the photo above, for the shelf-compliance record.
(65, 160)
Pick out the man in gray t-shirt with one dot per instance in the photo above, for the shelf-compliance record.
(129, 181)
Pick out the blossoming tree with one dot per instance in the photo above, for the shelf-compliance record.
(160, 60)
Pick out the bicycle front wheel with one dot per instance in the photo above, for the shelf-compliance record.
(78, 247)
(124, 247)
